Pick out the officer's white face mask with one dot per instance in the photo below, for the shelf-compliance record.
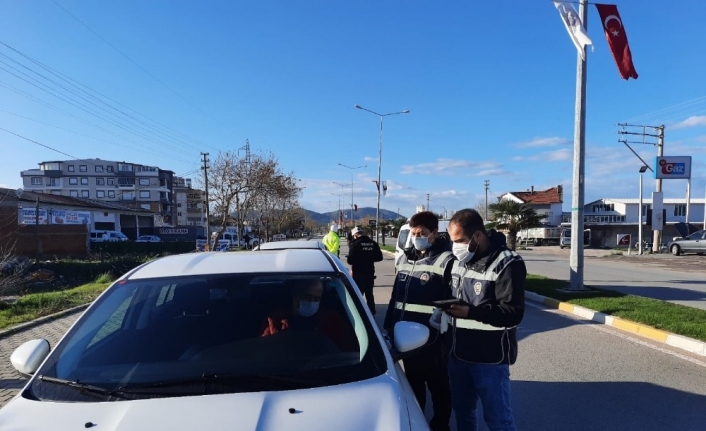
(308, 308)
(421, 243)
(463, 251)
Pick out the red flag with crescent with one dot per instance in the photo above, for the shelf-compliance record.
(617, 39)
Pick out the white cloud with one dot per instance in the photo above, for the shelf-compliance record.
(693, 121)
(370, 159)
(549, 156)
(554, 141)
(447, 167)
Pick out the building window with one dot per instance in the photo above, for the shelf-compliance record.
(126, 181)
(51, 166)
(109, 169)
(36, 181)
(99, 168)
(178, 204)
(84, 181)
(53, 182)
(111, 193)
(603, 208)
(84, 194)
(72, 168)
(111, 181)
(179, 214)
(83, 168)
(100, 194)
(680, 210)
(73, 181)
(125, 168)
(100, 181)
(73, 193)
(145, 194)
(144, 181)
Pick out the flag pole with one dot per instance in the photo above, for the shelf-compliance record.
(577, 195)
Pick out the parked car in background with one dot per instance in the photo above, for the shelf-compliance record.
(196, 341)
(694, 243)
(107, 236)
(284, 245)
(148, 238)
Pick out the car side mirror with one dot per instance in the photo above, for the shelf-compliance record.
(27, 358)
(408, 337)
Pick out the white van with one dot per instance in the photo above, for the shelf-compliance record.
(404, 239)
(107, 236)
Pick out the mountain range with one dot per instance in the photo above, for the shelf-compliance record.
(362, 213)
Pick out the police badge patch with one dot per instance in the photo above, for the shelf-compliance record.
(477, 287)
(424, 278)
(454, 282)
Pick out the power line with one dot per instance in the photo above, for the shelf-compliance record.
(667, 110)
(78, 85)
(48, 147)
(140, 67)
(81, 106)
(142, 149)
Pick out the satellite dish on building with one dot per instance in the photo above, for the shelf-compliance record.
(19, 192)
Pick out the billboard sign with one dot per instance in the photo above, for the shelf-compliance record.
(673, 167)
(70, 217)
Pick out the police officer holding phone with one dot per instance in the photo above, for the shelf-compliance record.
(423, 274)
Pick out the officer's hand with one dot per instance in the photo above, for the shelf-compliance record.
(457, 310)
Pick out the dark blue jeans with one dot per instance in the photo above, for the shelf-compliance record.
(489, 383)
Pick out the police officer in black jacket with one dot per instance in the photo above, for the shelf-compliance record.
(363, 252)
(423, 275)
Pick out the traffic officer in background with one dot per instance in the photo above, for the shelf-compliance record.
(423, 276)
(332, 241)
(363, 252)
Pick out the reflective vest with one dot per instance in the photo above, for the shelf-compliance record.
(417, 284)
(473, 341)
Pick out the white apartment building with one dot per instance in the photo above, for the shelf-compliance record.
(130, 184)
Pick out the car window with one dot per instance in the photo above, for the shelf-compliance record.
(253, 328)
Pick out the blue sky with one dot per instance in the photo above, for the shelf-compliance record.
(490, 87)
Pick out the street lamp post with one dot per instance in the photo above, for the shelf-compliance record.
(643, 168)
(343, 193)
(378, 184)
(352, 205)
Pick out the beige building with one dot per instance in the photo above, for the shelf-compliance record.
(190, 203)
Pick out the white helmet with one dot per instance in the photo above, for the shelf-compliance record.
(334, 228)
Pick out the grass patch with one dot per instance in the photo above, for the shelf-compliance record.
(387, 247)
(35, 305)
(675, 318)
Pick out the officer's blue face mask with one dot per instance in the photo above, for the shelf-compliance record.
(308, 308)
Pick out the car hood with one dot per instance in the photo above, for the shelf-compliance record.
(685, 229)
(375, 404)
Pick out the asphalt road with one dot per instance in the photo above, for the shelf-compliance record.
(678, 279)
(570, 375)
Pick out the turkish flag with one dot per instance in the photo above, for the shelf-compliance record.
(617, 39)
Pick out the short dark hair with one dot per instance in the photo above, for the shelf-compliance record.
(469, 220)
(426, 219)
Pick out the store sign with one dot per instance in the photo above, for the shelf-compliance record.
(29, 216)
(673, 167)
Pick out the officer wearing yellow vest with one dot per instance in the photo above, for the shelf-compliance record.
(423, 275)
(332, 241)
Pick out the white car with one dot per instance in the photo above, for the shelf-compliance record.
(199, 341)
(148, 238)
(284, 245)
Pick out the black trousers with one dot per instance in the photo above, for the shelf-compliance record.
(428, 369)
(365, 283)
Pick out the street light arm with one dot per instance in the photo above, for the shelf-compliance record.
(357, 167)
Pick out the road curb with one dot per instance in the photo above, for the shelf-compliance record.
(678, 341)
(27, 325)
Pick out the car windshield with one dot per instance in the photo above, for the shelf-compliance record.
(213, 334)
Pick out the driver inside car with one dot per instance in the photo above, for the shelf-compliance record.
(306, 312)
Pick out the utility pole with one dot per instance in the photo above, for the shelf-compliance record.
(208, 214)
(657, 233)
(36, 226)
(487, 186)
(428, 209)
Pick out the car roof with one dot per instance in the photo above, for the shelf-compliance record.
(206, 263)
(288, 245)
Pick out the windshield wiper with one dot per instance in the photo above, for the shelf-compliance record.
(223, 379)
(81, 386)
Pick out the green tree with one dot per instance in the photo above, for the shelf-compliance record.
(512, 217)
